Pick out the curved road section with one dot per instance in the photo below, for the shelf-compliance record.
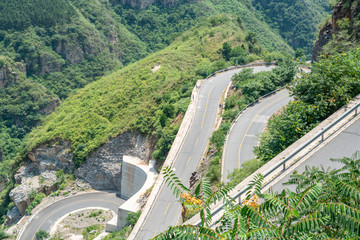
(49, 215)
(166, 210)
(243, 135)
(343, 145)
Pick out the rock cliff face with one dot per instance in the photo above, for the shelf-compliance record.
(340, 11)
(9, 73)
(325, 36)
(21, 195)
(53, 157)
(102, 170)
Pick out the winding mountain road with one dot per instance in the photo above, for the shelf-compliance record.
(243, 135)
(343, 145)
(47, 217)
(166, 210)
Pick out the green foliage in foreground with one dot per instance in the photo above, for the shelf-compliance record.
(330, 85)
(313, 212)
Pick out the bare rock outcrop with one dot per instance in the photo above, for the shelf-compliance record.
(340, 11)
(12, 216)
(53, 157)
(10, 71)
(102, 170)
(21, 195)
(325, 36)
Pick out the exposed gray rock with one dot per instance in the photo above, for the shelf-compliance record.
(102, 170)
(71, 51)
(9, 73)
(26, 171)
(54, 157)
(340, 12)
(13, 216)
(21, 194)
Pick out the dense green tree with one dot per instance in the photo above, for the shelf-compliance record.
(295, 20)
(299, 53)
(226, 51)
(41, 235)
(251, 38)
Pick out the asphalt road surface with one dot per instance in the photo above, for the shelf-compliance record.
(343, 145)
(48, 216)
(244, 134)
(166, 210)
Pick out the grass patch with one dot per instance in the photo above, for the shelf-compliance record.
(92, 232)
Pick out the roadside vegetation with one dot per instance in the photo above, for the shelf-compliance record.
(246, 88)
(313, 211)
(331, 84)
(131, 220)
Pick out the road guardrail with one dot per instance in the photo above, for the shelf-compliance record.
(282, 164)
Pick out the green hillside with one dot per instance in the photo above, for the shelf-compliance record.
(294, 20)
(158, 25)
(63, 53)
(135, 98)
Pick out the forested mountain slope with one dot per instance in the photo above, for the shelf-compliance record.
(51, 49)
(294, 20)
(139, 97)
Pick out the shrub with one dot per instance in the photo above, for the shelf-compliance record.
(37, 200)
(132, 218)
(41, 235)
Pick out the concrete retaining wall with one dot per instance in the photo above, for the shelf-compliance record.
(133, 178)
(137, 178)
